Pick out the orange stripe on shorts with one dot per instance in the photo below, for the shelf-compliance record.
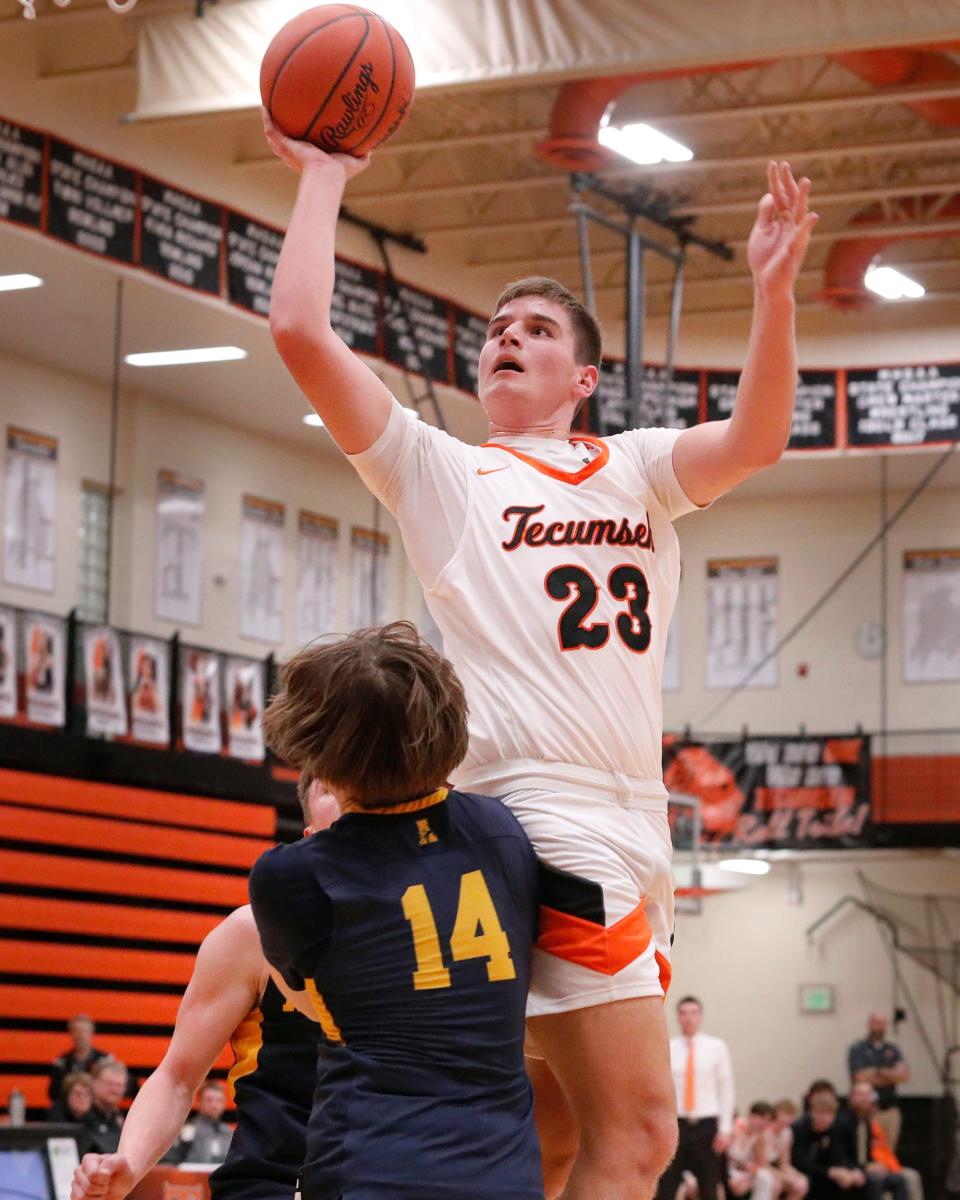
(607, 950)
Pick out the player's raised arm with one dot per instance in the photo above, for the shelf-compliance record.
(224, 986)
(352, 401)
(710, 459)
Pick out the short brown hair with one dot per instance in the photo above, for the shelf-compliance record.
(75, 1079)
(378, 716)
(586, 330)
(304, 784)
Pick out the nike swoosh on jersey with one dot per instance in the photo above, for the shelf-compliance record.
(491, 470)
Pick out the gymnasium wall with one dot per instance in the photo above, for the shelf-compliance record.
(746, 956)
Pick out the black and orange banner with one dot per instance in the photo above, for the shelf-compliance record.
(772, 793)
(118, 212)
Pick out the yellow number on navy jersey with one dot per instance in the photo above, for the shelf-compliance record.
(477, 933)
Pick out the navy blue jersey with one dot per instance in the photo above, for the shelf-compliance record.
(273, 1077)
(411, 928)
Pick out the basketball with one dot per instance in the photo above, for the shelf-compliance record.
(338, 76)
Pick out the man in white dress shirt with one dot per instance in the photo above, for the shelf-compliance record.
(703, 1078)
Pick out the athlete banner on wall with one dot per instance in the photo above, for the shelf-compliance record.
(179, 548)
(45, 656)
(149, 669)
(772, 792)
(261, 557)
(103, 675)
(931, 616)
(243, 680)
(317, 540)
(29, 551)
(200, 700)
(8, 662)
(742, 600)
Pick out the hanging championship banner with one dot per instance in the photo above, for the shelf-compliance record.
(200, 700)
(931, 616)
(814, 425)
(149, 668)
(742, 621)
(244, 693)
(252, 253)
(355, 306)
(21, 174)
(469, 335)
(261, 555)
(8, 662)
(180, 236)
(416, 333)
(103, 675)
(91, 201)
(774, 792)
(45, 655)
(370, 552)
(317, 540)
(179, 548)
(904, 406)
(29, 548)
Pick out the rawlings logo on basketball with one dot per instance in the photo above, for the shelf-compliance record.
(358, 108)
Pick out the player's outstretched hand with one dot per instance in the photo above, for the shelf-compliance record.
(299, 155)
(778, 240)
(101, 1177)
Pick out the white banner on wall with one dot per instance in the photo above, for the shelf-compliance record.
(179, 548)
(200, 700)
(149, 688)
(931, 616)
(742, 621)
(45, 655)
(8, 662)
(244, 693)
(370, 552)
(317, 540)
(261, 553)
(29, 522)
(103, 675)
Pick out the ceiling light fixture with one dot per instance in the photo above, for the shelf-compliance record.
(169, 358)
(892, 284)
(744, 866)
(13, 283)
(641, 143)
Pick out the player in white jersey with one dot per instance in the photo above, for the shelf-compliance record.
(550, 564)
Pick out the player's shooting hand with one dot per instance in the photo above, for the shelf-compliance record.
(102, 1177)
(300, 155)
(778, 240)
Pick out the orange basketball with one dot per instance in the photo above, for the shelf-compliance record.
(338, 76)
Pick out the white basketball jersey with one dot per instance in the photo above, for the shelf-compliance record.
(555, 604)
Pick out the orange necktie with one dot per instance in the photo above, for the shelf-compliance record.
(689, 1091)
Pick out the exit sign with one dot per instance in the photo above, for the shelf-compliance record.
(816, 998)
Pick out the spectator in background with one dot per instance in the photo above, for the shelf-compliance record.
(83, 1055)
(75, 1100)
(819, 1151)
(205, 1138)
(703, 1078)
(750, 1156)
(880, 1063)
(870, 1149)
(794, 1183)
(104, 1120)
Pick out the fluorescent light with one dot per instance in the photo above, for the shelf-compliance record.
(892, 285)
(642, 143)
(744, 866)
(202, 354)
(313, 419)
(13, 283)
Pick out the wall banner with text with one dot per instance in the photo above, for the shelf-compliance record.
(200, 699)
(370, 552)
(773, 792)
(931, 616)
(742, 621)
(45, 656)
(30, 508)
(149, 671)
(317, 541)
(243, 684)
(179, 548)
(261, 559)
(103, 676)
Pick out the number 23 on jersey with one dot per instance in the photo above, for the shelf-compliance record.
(477, 933)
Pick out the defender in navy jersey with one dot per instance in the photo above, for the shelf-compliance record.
(406, 930)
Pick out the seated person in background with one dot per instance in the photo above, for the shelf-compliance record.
(204, 1138)
(867, 1144)
(750, 1154)
(104, 1120)
(820, 1152)
(406, 930)
(75, 1099)
(83, 1055)
(795, 1184)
